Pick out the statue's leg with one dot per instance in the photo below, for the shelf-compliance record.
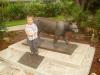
(66, 40)
(67, 37)
(55, 40)
(58, 32)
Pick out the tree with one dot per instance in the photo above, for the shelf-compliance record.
(88, 4)
(2, 18)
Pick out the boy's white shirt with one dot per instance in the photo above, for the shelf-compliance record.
(31, 31)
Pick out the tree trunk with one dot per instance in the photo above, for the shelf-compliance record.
(85, 4)
(77, 2)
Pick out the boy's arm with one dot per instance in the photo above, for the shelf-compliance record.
(29, 32)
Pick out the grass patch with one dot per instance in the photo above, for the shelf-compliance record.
(15, 22)
(58, 18)
(23, 21)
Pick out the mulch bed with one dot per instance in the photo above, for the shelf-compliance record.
(13, 38)
(20, 35)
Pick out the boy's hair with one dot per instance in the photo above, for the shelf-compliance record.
(28, 16)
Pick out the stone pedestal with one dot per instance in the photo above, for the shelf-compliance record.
(52, 61)
(60, 46)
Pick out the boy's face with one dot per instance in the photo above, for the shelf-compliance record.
(30, 20)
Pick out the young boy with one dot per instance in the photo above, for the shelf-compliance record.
(32, 35)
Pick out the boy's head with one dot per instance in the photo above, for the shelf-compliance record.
(30, 19)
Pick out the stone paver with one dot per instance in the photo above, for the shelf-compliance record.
(78, 54)
(54, 63)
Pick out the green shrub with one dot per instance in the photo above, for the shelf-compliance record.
(2, 29)
(42, 9)
(91, 20)
(36, 9)
(53, 9)
(2, 23)
(15, 11)
(71, 10)
(97, 18)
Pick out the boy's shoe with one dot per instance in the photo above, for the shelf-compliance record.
(36, 53)
(31, 53)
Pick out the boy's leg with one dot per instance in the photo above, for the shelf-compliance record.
(31, 46)
(36, 45)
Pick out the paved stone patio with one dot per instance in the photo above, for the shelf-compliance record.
(52, 62)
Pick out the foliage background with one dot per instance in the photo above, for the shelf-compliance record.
(2, 20)
(86, 14)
